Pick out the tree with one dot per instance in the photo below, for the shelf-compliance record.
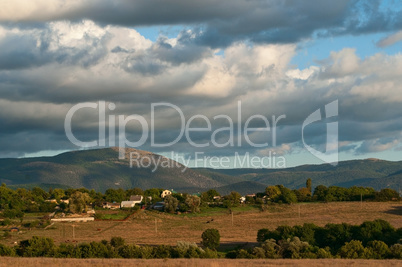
(378, 250)
(134, 191)
(386, 194)
(209, 195)
(117, 241)
(211, 238)
(287, 195)
(353, 250)
(303, 194)
(36, 247)
(171, 203)
(273, 192)
(57, 194)
(308, 185)
(233, 198)
(320, 193)
(193, 202)
(78, 202)
(113, 195)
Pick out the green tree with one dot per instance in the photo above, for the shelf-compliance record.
(78, 202)
(353, 250)
(113, 195)
(193, 202)
(309, 185)
(233, 198)
(386, 194)
(211, 238)
(273, 192)
(36, 247)
(117, 241)
(171, 204)
(209, 195)
(320, 193)
(378, 250)
(287, 195)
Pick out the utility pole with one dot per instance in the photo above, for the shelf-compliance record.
(361, 200)
(299, 210)
(73, 231)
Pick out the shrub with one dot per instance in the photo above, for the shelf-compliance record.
(117, 241)
(294, 248)
(36, 247)
(270, 250)
(262, 235)
(130, 251)
(186, 250)
(243, 254)
(396, 251)
(6, 251)
(377, 250)
(162, 252)
(324, 253)
(209, 254)
(211, 238)
(353, 250)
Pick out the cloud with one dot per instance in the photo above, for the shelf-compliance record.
(46, 70)
(390, 40)
(377, 145)
(214, 25)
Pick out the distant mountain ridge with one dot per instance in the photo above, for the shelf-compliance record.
(101, 169)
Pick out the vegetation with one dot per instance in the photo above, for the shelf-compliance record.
(211, 238)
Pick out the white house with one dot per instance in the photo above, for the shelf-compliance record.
(166, 193)
(131, 203)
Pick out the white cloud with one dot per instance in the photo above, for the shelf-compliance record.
(390, 40)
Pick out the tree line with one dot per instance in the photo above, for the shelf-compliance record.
(14, 203)
(370, 240)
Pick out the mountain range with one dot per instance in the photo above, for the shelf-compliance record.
(101, 169)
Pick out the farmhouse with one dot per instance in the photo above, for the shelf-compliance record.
(109, 205)
(134, 199)
(166, 193)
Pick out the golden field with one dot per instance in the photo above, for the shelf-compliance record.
(151, 227)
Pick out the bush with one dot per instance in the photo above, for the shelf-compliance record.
(186, 250)
(130, 251)
(262, 235)
(353, 250)
(6, 251)
(66, 251)
(117, 241)
(378, 250)
(270, 249)
(211, 238)
(396, 251)
(294, 248)
(209, 254)
(36, 247)
(162, 252)
(324, 253)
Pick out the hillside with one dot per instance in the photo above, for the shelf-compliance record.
(101, 169)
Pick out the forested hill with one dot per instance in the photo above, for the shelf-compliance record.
(101, 169)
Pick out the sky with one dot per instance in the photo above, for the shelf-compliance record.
(274, 59)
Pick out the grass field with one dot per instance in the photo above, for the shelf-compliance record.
(23, 262)
(151, 227)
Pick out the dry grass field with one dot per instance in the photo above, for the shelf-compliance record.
(140, 228)
(24, 262)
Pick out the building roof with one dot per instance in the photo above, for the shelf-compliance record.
(135, 198)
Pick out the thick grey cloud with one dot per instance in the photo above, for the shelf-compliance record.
(47, 66)
(220, 23)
